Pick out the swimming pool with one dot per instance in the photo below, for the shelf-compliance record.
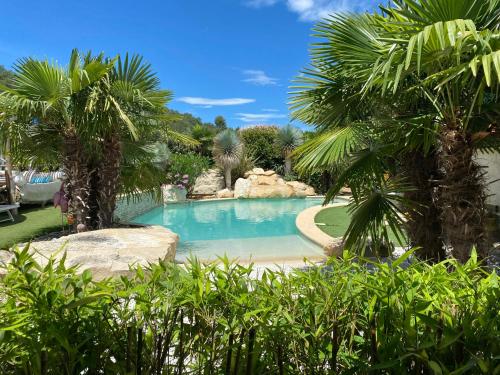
(244, 229)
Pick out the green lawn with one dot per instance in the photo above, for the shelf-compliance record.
(336, 221)
(32, 221)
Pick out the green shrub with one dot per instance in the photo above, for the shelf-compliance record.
(187, 164)
(216, 319)
(260, 143)
(247, 163)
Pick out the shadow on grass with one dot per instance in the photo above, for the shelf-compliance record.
(31, 222)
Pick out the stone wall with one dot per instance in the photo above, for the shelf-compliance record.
(128, 209)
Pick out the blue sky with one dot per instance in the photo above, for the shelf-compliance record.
(235, 58)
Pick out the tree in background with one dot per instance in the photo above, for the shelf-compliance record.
(5, 77)
(287, 140)
(403, 98)
(227, 152)
(260, 145)
(205, 136)
(220, 123)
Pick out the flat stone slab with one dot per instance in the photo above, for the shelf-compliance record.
(108, 252)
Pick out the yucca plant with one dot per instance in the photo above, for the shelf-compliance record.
(288, 139)
(227, 152)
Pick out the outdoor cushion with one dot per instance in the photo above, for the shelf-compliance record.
(41, 180)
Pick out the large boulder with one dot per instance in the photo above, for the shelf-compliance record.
(259, 183)
(255, 171)
(109, 252)
(225, 193)
(209, 182)
(270, 191)
(242, 188)
(300, 189)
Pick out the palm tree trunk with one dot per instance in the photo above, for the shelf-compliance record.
(288, 165)
(462, 197)
(109, 176)
(423, 224)
(76, 177)
(227, 175)
(93, 200)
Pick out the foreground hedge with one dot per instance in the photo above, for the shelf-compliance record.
(344, 318)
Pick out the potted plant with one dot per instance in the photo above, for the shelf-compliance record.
(176, 191)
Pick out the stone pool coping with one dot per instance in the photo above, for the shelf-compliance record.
(190, 200)
(106, 252)
(307, 227)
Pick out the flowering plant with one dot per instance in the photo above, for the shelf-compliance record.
(183, 169)
(182, 182)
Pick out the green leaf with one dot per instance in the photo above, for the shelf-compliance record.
(403, 257)
(486, 61)
(435, 367)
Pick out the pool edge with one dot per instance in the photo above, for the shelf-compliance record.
(306, 225)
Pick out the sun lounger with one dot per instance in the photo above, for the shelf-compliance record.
(6, 208)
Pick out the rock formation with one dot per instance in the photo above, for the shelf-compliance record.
(225, 193)
(267, 184)
(209, 182)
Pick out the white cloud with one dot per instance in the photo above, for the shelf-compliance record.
(260, 3)
(259, 77)
(208, 103)
(313, 10)
(269, 110)
(259, 117)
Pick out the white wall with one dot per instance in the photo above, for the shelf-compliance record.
(492, 164)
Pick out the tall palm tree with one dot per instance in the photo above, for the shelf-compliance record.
(45, 95)
(420, 80)
(89, 115)
(288, 139)
(227, 152)
(125, 101)
(7, 120)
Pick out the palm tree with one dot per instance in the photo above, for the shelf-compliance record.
(227, 152)
(127, 100)
(413, 92)
(7, 120)
(205, 136)
(97, 116)
(288, 139)
(45, 95)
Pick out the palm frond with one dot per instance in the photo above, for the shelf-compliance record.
(378, 213)
(329, 148)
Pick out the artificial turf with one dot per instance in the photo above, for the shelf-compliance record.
(31, 222)
(334, 221)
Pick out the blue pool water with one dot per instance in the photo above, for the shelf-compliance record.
(256, 229)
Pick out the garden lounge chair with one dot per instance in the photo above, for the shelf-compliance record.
(7, 208)
(38, 187)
